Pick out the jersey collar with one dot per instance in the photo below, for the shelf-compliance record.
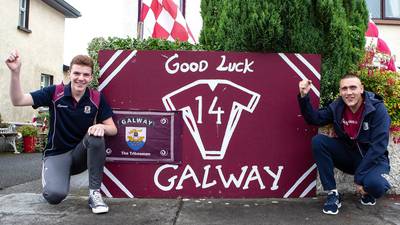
(68, 91)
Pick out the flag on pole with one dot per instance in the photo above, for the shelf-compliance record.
(380, 54)
(163, 19)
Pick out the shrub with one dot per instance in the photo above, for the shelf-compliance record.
(43, 118)
(28, 131)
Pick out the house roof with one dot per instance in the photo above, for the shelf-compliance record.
(64, 8)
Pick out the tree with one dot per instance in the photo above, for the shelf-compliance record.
(210, 10)
(333, 28)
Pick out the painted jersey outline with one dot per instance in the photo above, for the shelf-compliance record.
(233, 120)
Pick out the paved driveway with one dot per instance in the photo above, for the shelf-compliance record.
(19, 168)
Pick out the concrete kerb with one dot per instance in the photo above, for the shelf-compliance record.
(30, 208)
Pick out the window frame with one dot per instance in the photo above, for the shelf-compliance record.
(23, 15)
(46, 76)
(383, 19)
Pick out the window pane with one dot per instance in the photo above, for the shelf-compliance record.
(21, 21)
(392, 8)
(46, 80)
(374, 8)
(22, 4)
(22, 13)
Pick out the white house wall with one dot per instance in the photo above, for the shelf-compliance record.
(41, 51)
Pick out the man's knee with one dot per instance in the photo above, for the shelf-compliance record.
(96, 142)
(376, 187)
(54, 196)
(317, 142)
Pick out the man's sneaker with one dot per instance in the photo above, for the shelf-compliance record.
(367, 200)
(333, 203)
(96, 202)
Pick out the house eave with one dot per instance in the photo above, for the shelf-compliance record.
(63, 7)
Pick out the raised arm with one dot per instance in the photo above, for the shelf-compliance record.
(18, 98)
(304, 87)
(318, 117)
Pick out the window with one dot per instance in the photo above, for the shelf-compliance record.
(384, 9)
(23, 21)
(392, 9)
(45, 80)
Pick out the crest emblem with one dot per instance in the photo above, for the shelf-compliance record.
(87, 109)
(365, 126)
(135, 137)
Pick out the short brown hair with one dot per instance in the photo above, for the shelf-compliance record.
(350, 75)
(82, 60)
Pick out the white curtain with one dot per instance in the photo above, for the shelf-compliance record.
(392, 8)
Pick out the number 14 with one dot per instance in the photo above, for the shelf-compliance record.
(211, 110)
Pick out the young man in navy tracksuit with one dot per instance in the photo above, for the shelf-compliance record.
(361, 123)
(79, 118)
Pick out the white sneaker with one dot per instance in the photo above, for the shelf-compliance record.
(96, 203)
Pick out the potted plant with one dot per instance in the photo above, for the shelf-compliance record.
(29, 134)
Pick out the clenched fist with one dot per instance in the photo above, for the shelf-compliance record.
(13, 62)
(304, 87)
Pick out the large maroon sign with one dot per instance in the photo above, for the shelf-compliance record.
(242, 136)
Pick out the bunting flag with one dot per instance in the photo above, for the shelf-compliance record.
(163, 19)
(380, 55)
